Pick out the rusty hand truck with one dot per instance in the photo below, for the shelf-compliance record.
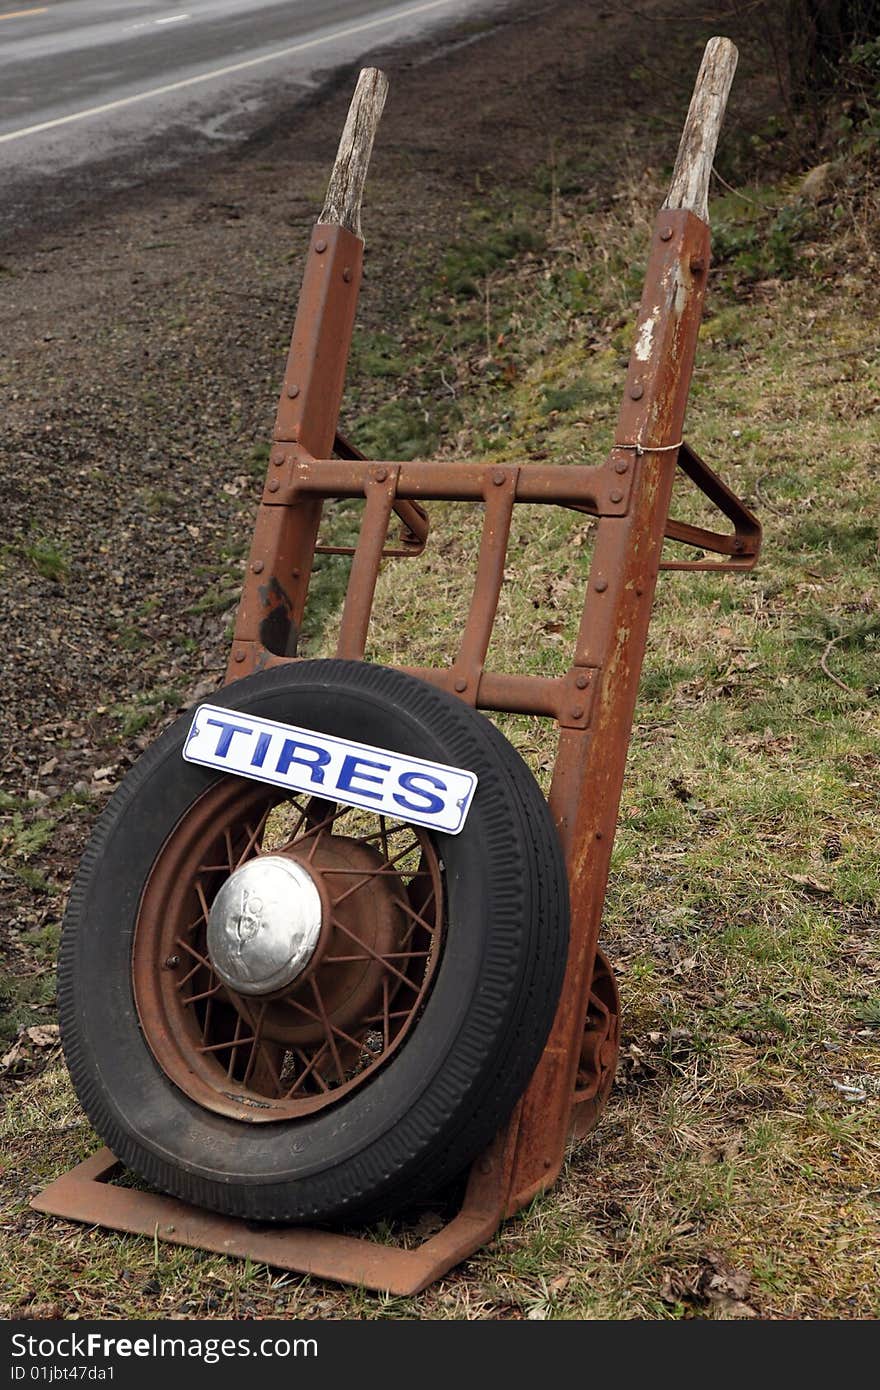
(244, 1091)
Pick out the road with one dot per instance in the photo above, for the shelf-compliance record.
(95, 95)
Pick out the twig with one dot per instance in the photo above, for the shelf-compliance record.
(449, 387)
(766, 503)
(737, 193)
(830, 674)
(488, 322)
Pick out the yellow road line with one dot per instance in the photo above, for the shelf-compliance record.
(16, 14)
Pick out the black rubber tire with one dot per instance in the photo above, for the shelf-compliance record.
(440, 1099)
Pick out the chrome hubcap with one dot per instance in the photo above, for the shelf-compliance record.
(264, 925)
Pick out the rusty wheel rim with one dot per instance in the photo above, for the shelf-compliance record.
(600, 1049)
(287, 1053)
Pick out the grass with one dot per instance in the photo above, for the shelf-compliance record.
(48, 557)
(737, 1169)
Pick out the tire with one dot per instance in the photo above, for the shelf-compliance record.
(472, 1014)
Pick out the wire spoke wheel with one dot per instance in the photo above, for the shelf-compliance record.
(293, 1049)
(285, 1009)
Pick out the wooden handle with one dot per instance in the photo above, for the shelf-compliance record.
(345, 190)
(693, 165)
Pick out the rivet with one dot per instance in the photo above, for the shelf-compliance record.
(600, 586)
(239, 656)
(346, 275)
(171, 962)
(637, 392)
(320, 246)
(273, 485)
(616, 495)
(697, 264)
(548, 1163)
(598, 834)
(293, 392)
(257, 567)
(460, 684)
(498, 477)
(577, 712)
(278, 460)
(295, 573)
(380, 475)
(640, 589)
(582, 681)
(621, 467)
(666, 234)
(170, 1228)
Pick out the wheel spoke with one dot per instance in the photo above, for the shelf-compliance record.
(205, 994)
(374, 955)
(417, 919)
(309, 1071)
(191, 950)
(203, 901)
(235, 1042)
(253, 836)
(386, 870)
(316, 993)
(389, 955)
(188, 976)
(318, 829)
(377, 834)
(258, 1033)
(372, 873)
(316, 1018)
(399, 1013)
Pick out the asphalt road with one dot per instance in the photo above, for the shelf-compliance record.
(96, 95)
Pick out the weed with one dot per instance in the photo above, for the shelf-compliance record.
(467, 263)
(48, 557)
(136, 715)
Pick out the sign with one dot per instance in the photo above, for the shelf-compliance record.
(335, 769)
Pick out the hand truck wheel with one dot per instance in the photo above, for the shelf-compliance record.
(600, 1050)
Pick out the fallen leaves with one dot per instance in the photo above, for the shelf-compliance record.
(713, 1283)
(22, 1055)
(813, 885)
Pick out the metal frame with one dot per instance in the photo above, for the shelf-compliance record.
(592, 703)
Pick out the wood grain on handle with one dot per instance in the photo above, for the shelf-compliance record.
(345, 191)
(693, 165)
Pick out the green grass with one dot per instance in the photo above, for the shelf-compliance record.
(48, 557)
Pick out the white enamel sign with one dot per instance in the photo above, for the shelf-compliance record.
(335, 769)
